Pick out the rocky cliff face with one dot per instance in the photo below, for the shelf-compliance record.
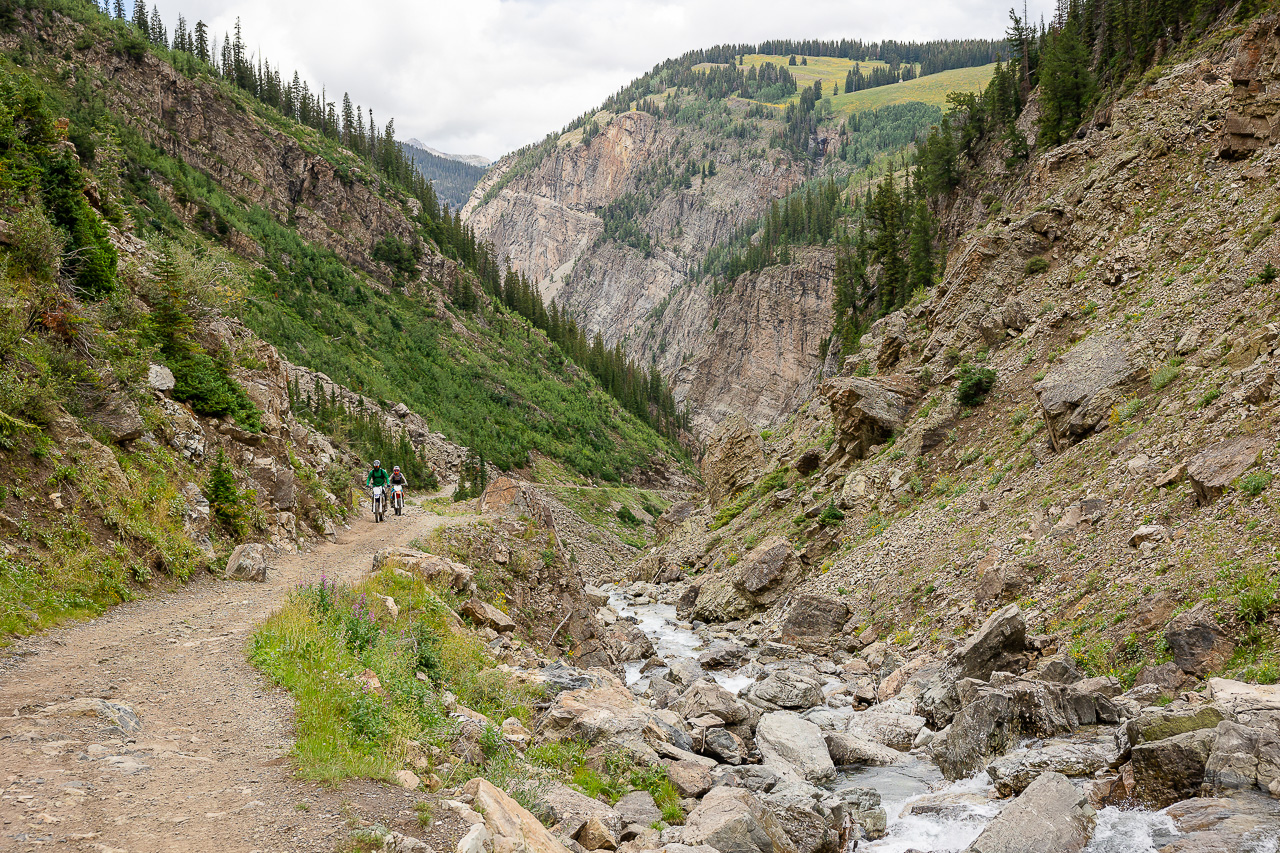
(754, 350)
(1119, 469)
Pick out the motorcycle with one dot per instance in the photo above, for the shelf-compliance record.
(379, 502)
(397, 497)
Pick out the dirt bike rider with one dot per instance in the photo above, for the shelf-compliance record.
(397, 479)
(378, 476)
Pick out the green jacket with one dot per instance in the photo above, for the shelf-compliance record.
(377, 477)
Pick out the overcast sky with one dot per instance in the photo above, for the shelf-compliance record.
(488, 76)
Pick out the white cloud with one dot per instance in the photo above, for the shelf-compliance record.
(487, 76)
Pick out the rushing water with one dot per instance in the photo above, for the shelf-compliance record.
(924, 811)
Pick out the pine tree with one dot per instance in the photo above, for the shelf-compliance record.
(202, 41)
(140, 18)
(922, 268)
(118, 10)
(1066, 83)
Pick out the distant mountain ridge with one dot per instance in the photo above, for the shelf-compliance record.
(470, 159)
(452, 178)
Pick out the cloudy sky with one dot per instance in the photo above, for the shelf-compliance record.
(487, 76)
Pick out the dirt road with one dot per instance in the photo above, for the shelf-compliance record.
(208, 771)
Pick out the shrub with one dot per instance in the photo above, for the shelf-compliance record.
(830, 515)
(1163, 377)
(225, 500)
(1268, 274)
(1253, 604)
(1255, 483)
(627, 517)
(1037, 265)
(975, 384)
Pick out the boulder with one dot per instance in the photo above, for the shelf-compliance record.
(1244, 757)
(637, 807)
(802, 820)
(675, 516)
(118, 417)
(764, 573)
(733, 460)
(1000, 645)
(512, 828)
(485, 614)
(753, 777)
(862, 807)
(1222, 824)
(806, 463)
(594, 595)
(1012, 773)
(733, 821)
(594, 835)
(685, 672)
(1077, 394)
(1159, 723)
(889, 724)
(785, 688)
(1251, 704)
(790, 744)
(570, 810)
(867, 411)
(708, 697)
(1198, 644)
(429, 567)
(248, 562)
(605, 716)
(723, 654)
(499, 495)
(689, 778)
(725, 745)
(1172, 769)
(160, 378)
(814, 620)
(848, 750)
(1167, 677)
(1051, 814)
(1217, 466)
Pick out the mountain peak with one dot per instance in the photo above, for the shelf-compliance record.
(473, 159)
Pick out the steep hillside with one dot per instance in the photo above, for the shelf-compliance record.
(1080, 418)
(616, 217)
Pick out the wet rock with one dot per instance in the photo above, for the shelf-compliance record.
(733, 821)
(512, 828)
(999, 645)
(790, 744)
(753, 777)
(867, 411)
(848, 749)
(248, 562)
(1012, 773)
(814, 620)
(1171, 769)
(1077, 394)
(1051, 814)
(685, 672)
(1198, 644)
(723, 654)
(483, 613)
(1244, 757)
(861, 806)
(1216, 467)
(889, 724)
(1220, 825)
(786, 688)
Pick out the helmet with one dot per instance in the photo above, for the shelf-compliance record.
(377, 463)
(396, 468)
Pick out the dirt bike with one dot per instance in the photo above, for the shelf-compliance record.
(379, 502)
(397, 497)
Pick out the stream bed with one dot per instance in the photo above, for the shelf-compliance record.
(924, 811)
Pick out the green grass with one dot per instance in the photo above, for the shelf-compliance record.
(931, 89)
(325, 636)
(829, 69)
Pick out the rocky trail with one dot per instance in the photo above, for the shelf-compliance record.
(147, 729)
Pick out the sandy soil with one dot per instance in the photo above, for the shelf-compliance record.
(209, 770)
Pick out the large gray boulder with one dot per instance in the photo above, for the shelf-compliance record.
(118, 417)
(888, 724)
(1159, 723)
(248, 562)
(786, 688)
(999, 645)
(1244, 757)
(1077, 394)
(789, 744)
(1050, 815)
(804, 821)
(732, 820)
(1213, 469)
(849, 750)
(1166, 771)
(1012, 773)
(867, 411)
(814, 620)
(708, 697)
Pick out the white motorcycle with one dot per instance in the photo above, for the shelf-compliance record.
(379, 502)
(397, 497)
